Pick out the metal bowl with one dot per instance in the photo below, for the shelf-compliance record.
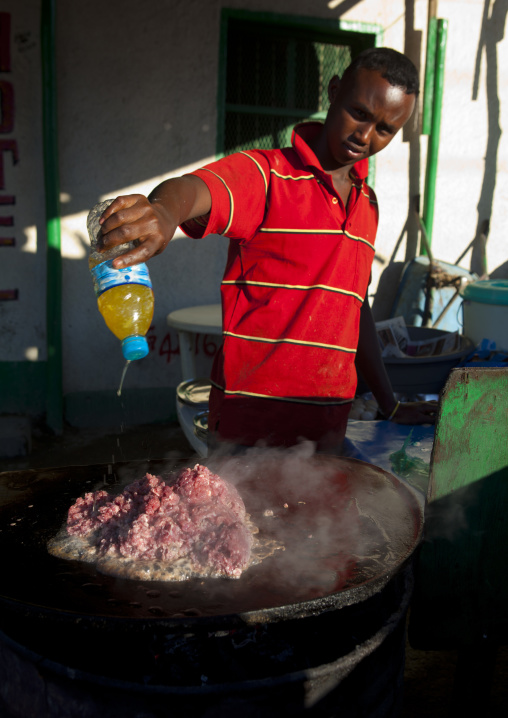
(194, 391)
(201, 425)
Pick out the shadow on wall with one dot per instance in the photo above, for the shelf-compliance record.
(389, 280)
(492, 33)
(500, 272)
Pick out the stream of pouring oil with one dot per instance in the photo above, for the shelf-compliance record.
(124, 372)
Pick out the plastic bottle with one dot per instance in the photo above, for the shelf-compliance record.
(124, 296)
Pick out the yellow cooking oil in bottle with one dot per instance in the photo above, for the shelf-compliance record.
(124, 296)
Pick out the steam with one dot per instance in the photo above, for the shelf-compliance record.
(447, 517)
(341, 522)
(337, 524)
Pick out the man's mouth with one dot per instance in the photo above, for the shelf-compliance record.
(354, 150)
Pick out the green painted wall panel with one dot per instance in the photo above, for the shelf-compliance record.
(461, 575)
(23, 388)
(471, 441)
(23, 391)
(135, 407)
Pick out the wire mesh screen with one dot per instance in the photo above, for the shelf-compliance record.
(245, 131)
(275, 78)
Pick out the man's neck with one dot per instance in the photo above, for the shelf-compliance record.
(339, 173)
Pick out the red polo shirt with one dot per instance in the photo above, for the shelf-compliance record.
(297, 273)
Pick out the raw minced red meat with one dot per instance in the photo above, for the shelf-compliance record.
(199, 516)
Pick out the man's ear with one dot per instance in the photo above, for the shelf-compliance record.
(333, 87)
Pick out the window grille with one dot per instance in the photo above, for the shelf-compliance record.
(277, 75)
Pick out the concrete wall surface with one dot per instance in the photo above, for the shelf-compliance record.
(137, 91)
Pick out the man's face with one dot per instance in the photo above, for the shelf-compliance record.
(366, 112)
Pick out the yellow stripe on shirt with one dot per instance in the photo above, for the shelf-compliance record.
(300, 342)
(302, 287)
(231, 200)
(286, 230)
(292, 177)
(294, 400)
(259, 168)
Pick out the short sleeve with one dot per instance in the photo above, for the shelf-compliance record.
(238, 185)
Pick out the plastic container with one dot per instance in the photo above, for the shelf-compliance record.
(411, 295)
(124, 296)
(485, 309)
(416, 376)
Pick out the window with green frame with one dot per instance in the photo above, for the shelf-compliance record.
(275, 72)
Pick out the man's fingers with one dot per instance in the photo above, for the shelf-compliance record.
(133, 218)
(125, 215)
(125, 232)
(423, 412)
(430, 408)
(147, 248)
(133, 256)
(122, 202)
(138, 222)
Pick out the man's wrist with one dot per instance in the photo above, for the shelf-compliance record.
(389, 415)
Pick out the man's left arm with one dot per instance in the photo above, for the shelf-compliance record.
(370, 363)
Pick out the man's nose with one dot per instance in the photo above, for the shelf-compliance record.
(363, 132)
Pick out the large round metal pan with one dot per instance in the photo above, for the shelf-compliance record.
(347, 527)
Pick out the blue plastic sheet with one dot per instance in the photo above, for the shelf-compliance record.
(404, 451)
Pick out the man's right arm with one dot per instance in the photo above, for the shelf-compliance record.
(153, 220)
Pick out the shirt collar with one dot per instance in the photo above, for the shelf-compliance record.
(303, 133)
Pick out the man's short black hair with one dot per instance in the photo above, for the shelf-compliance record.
(392, 65)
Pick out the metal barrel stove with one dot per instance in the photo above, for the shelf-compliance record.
(317, 629)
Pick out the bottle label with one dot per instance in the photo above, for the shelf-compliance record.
(105, 276)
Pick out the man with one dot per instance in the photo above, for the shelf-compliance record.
(302, 223)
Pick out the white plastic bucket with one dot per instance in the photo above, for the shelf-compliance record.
(485, 310)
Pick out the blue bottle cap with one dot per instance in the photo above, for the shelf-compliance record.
(134, 347)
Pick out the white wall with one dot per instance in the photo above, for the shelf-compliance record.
(472, 185)
(23, 266)
(137, 88)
